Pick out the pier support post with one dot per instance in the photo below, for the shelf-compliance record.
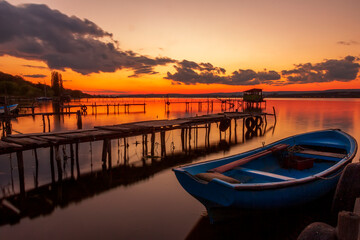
(79, 120)
(274, 115)
(20, 163)
(43, 119)
(182, 139)
(189, 139)
(48, 118)
(348, 226)
(152, 144)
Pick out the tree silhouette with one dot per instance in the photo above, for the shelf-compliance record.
(57, 83)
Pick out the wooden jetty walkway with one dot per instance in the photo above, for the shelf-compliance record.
(22, 142)
(53, 140)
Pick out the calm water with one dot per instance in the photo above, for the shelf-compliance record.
(141, 199)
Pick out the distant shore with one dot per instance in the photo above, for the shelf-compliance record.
(338, 93)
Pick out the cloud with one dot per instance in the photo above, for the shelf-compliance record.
(36, 32)
(343, 70)
(35, 76)
(190, 73)
(33, 66)
(348, 43)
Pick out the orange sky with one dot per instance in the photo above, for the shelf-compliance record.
(233, 35)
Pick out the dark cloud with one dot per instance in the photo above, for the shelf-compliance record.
(35, 76)
(347, 43)
(33, 31)
(33, 66)
(344, 70)
(188, 72)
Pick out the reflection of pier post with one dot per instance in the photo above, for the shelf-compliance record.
(36, 178)
(189, 139)
(77, 159)
(20, 163)
(58, 162)
(182, 139)
(163, 146)
(52, 169)
(106, 153)
(235, 130)
(72, 160)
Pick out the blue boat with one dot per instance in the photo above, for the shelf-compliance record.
(9, 108)
(286, 173)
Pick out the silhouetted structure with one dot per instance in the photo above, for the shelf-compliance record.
(253, 98)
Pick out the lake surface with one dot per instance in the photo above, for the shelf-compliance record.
(141, 198)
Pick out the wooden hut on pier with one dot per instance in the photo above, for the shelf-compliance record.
(253, 99)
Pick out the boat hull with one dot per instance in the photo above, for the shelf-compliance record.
(9, 107)
(297, 188)
(215, 195)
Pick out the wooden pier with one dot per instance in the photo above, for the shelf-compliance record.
(189, 132)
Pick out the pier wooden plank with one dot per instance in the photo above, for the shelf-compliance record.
(25, 141)
(36, 140)
(9, 145)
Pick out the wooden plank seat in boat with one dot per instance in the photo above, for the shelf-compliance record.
(208, 176)
(267, 174)
(322, 153)
(237, 163)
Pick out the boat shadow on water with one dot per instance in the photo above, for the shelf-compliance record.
(287, 223)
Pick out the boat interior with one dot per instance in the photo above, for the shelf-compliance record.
(294, 162)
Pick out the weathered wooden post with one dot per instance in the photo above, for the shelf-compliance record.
(235, 129)
(274, 116)
(48, 118)
(152, 144)
(109, 155)
(43, 119)
(189, 138)
(230, 132)
(79, 120)
(348, 226)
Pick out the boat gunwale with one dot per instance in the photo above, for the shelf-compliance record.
(261, 186)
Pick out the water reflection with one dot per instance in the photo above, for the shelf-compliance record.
(259, 225)
(65, 189)
(140, 204)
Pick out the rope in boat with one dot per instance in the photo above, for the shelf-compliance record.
(336, 175)
(328, 178)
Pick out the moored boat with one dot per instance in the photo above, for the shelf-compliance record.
(9, 108)
(287, 173)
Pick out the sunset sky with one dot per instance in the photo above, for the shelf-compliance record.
(142, 46)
